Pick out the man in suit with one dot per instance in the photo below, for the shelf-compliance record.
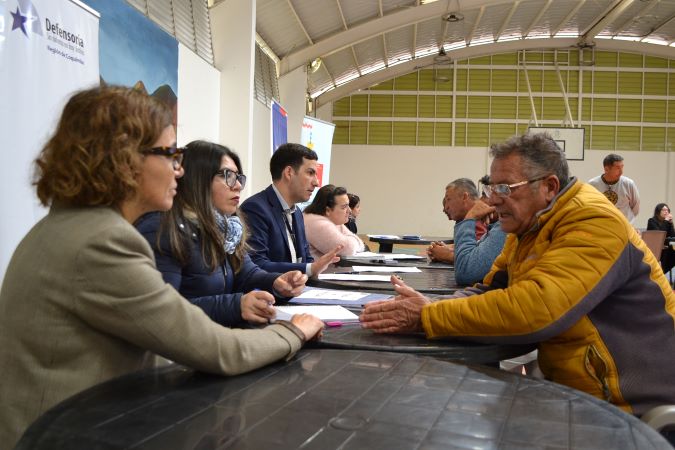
(277, 229)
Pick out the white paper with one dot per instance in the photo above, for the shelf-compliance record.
(332, 294)
(323, 312)
(366, 255)
(402, 256)
(383, 236)
(352, 277)
(386, 269)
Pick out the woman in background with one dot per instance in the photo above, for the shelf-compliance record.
(325, 220)
(662, 220)
(200, 246)
(354, 211)
(81, 301)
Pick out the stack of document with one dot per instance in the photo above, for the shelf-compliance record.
(323, 312)
(371, 255)
(315, 296)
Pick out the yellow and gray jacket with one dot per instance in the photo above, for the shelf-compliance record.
(582, 284)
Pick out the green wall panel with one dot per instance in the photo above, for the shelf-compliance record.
(603, 138)
(501, 131)
(630, 60)
(656, 62)
(405, 106)
(359, 132)
(443, 134)
(383, 86)
(461, 79)
(427, 82)
(443, 77)
(444, 106)
(536, 77)
(477, 134)
(427, 106)
(505, 59)
(504, 80)
(360, 105)
(425, 133)
(653, 139)
(379, 133)
(628, 138)
(671, 113)
(630, 83)
(503, 107)
(479, 80)
(480, 61)
(587, 82)
(605, 83)
(606, 59)
(604, 109)
(479, 107)
(341, 133)
(554, 109)
(551, 83)
(654, 111)
(406, 82)
(655, 83)
(381, 105)
(341, 107)
(525, 108)
(629, 110)
(405, 133)
(586, 106)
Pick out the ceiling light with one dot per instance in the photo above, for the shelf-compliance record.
(453, 17)
(314, 65)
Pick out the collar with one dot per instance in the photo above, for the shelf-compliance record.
(284, 205)
(539, 214)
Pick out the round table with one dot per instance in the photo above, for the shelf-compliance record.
(338, 399)
(352, 336)
(347, 261)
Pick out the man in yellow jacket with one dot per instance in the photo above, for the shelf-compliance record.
(574, 276)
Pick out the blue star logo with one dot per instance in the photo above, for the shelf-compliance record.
(19, 21)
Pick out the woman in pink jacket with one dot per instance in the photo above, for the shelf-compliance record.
(325, 220)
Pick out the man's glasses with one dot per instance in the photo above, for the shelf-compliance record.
(504, 190)
(175, 153)
(231, 177)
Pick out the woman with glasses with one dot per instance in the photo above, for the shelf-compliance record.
(662, 220)
(325, 220)
(82, 301)
(200, 244)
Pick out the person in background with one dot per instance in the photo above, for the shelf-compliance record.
(278, 242)
(472, 258)
(574, 277)
(325, 220)
(82, 301)
(620, 190)
(200, 243)
(485, 181)
(662, 220)
(355, 210)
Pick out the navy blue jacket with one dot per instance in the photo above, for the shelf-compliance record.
(217, 293)
(267, 233)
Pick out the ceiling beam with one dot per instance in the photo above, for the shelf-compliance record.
(536, 20)
(375, 27)
(302, 27)
(567, 18)
(648, 7)
(600, 23)
(469, 37)
(506, 20)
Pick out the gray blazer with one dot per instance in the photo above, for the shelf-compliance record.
(82, 302)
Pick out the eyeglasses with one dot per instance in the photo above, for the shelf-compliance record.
(231, 177)
(504, 190)
(175, 153)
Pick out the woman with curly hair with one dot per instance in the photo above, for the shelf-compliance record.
(82, 301)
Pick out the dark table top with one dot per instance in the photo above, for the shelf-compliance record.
(329, 399)
(351, 336)
(346, 261)
(429, 281)
(423, 240)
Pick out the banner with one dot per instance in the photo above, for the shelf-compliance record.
(48, 50)
(317, 135)
(279, 126)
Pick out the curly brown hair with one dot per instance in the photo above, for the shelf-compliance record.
(93, 158)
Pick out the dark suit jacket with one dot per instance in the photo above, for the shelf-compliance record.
(268, 240)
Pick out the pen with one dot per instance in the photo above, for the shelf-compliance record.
(334, 323)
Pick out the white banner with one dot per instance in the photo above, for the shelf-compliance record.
(48, 50)
(317, 135)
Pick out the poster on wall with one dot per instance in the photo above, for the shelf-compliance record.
(48, 49)
(317, 135)
(137, 52)
(279, 125)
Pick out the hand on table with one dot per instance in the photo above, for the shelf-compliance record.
(311, 326)
(322, 263)
(290, 284)
(256, 307)
(400, 315)
(439, 251)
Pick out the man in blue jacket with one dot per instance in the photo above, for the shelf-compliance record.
(277, 229)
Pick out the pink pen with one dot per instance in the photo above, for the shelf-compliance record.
(334, 324)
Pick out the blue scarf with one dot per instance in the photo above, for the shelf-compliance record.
(231, 228)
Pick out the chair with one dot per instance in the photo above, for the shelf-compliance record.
(654, 240)
(662, 419)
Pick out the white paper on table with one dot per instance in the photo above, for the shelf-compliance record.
(332, 294)
(387, 269)
(383, 236)
(323, 312)
(367, 255)
(352, 277)
(401, 256)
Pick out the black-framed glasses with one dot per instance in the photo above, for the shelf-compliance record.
(231, 177)
(504, 190)
(175, 153)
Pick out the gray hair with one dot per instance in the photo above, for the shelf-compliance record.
(611, 159)
(540, 154)
(464, 185)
